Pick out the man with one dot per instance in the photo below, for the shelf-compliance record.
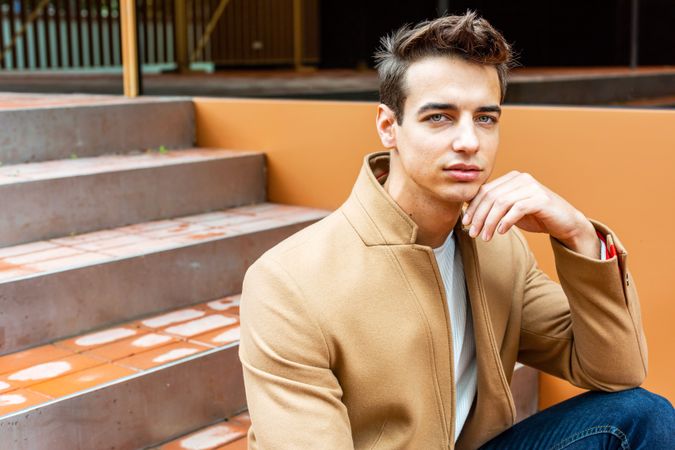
(395, 323)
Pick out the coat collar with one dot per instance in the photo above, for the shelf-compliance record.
(372, 212)
(375, 216)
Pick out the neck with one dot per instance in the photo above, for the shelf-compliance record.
(435, 218)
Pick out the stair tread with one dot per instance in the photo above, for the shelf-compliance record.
(61, 168)
(53, 255)
(67, 366)
(229, 434)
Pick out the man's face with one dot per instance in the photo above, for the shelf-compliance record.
(445, 147)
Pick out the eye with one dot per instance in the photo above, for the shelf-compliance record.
(436, 117)
(487, 119)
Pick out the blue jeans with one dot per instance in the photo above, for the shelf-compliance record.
(632, 419)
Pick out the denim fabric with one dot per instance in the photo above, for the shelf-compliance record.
(631, 419)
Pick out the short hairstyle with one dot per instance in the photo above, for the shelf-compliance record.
(467, 36)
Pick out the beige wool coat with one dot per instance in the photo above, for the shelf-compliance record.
(345, 340)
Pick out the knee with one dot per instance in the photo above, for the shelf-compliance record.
(650, 412)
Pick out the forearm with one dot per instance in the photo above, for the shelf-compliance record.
(608, 339)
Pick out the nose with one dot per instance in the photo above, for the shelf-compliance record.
(466, 139)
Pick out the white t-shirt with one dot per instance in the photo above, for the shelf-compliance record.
(463, 344)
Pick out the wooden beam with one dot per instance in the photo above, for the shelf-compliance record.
(131, 69)
(297, 34)
(181, 33)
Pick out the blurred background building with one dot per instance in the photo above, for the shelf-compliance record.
(620, 51)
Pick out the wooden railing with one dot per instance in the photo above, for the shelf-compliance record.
(85, 34)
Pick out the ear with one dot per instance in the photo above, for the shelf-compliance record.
(385, 123)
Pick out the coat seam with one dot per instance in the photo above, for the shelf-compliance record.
(486, 318)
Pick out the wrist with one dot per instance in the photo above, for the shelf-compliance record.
(584, 241)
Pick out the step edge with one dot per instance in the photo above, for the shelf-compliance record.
(126, 378)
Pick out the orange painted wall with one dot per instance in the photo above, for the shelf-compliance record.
(615, 165)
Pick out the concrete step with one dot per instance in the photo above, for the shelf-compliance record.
(130, 386)
(72, 196)
(61, 287)
(94, 127)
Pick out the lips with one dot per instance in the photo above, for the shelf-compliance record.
(463, 167)
(463, 172)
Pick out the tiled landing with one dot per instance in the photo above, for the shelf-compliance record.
(227, 435)
(76, 166)
(108, 245)
(64, 367)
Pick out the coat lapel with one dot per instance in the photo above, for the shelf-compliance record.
(493, 409)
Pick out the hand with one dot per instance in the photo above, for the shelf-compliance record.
(518, 199)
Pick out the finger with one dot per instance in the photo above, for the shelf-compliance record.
(519, 210)
(483, 191)
(499, 195)
(500, 208)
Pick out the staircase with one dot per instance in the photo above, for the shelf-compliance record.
(122, 253)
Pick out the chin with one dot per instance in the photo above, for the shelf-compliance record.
(463, 195)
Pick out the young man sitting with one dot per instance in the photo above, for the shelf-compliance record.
(396, 322)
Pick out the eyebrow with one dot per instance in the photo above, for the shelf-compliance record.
(450, 106)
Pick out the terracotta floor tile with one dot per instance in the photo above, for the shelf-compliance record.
(20, 399)
(131, 346)
(146, 227)
(181, 229)
(218, 338)
(302, 216)
(48, 370)
(162, 355)
(9, 274)
(225, 303)
(79, 381)
(77, 260)
(87, 237)
(205, 235)
(226, 219)
(145, 246)
(206, 217)
(44, 255)
(260, 209)
(6, 386)
(26, 358)
(239, 444)
(173, 317)
(24, 249)
(112, 242)
(99, 338)
(259, 225)
(200, 326)
(208, 438)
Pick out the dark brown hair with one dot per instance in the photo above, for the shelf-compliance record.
(468, 36)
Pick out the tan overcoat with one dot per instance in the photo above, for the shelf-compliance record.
(345, 339)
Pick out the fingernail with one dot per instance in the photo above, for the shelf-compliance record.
(500, 228)
(465, 219)
(485, 236)
(473, 231)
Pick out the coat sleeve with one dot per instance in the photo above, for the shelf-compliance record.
(294, 398)
(588, 329)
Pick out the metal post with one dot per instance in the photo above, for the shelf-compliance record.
(130, 63)
(181, 33)
(634, 31)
